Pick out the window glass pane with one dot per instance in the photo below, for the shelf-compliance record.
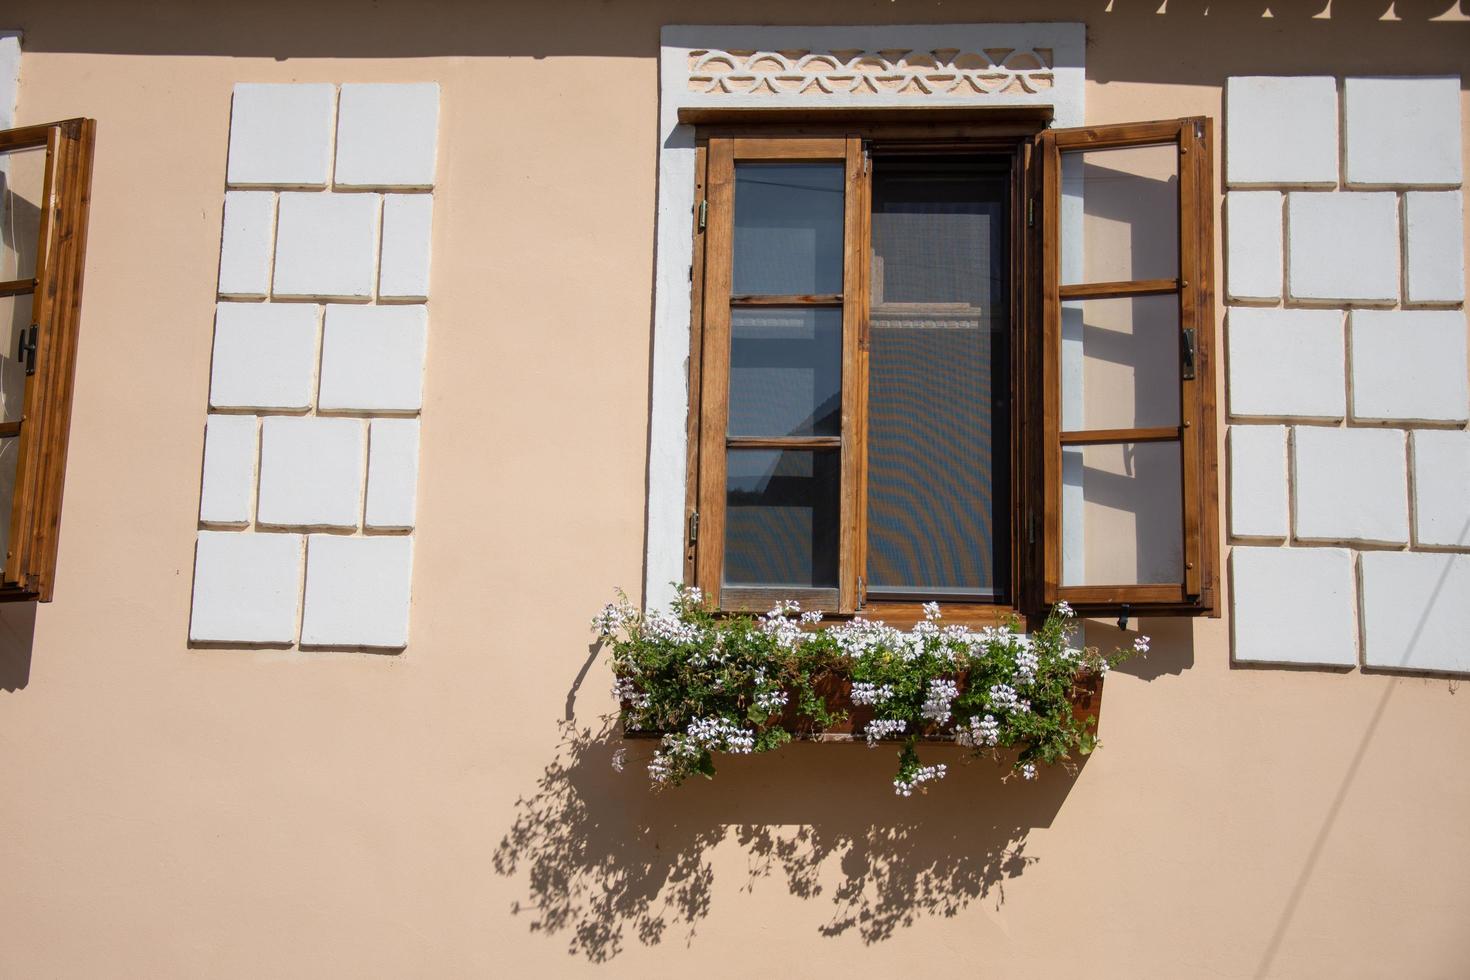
(938, 383)
(22, 186)
(1122, 514)
(781, 517)
(788, 229)
(15, 319)
(1120, 363)
(786, 371)
(1128, 226)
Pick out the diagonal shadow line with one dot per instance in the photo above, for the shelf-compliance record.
(1284, 923)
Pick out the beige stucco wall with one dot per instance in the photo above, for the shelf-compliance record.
(452, 811)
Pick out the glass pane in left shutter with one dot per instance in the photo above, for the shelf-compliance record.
(22, 186)
(788, 229)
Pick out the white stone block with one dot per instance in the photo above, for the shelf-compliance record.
(407, 223)
(1254, 247)
(1415, 616)
(387, 135)
(1442, 488)
(1281, 130)
(373, 358)
(326, 245)
(357, 591)
(1351, 485)
(1293, 606)
(1342, 247)
(245, 243)
(1287, 364)
(310, 472)
(393, 473)
(281, 135)
(228, 487)
(1258, 497)
(1409, 365)
(246, 587)
(1434, 246)
(264, 355)
(1402, 131)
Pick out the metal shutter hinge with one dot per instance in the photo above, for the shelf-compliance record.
(693, 527)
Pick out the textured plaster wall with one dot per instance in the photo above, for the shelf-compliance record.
(451, 811)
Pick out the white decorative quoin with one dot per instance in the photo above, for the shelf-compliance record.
(971, 65)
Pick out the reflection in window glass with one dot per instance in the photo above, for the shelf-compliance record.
(786, 371)
(788, 229)
(1122, 515)
(781, 518)
(1127, 375)
(1130, 214)
(22, 188)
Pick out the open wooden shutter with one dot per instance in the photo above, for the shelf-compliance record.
(1128, 429)
(777, 497)
(45, 176)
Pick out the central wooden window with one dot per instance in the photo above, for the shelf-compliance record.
(966, 363)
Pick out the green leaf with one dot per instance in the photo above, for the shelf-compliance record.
(705, 765)
(757, 714)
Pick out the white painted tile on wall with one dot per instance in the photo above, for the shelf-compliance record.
(281, 134)
(311, 472)
(407, 226)
(387, 135)
(393, 472)
(228, 487)
(264, 356)
(1409, 365)
(1402, 131)
(1351, 485)
(1286, 363)
(373, 358)
(1342, 247)
(1442, 489)
(1253, 252)
(357, 591)
(1415, 616)
(246, 588)
(326, 245)
(1434, 246)
(1281, 130)
(1258, 486)
(1293, 606)
(245, 243)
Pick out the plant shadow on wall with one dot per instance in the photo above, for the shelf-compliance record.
(605, 859)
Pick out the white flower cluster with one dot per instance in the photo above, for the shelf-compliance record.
(669, 628)
(1028, 771)
(921, 775)
(626, 692)
(660, 768)
(1140, 644)
(612, 619)
(931, 611)
(777, 623)
(1063, 609)
(941, 695)
(619, 759)
(864, 693)
(981, 732)
(811, 618)
(882, 728)
(1026, 664)
(858, 636)
(1003, 697)
(720, 735)
(771, 700)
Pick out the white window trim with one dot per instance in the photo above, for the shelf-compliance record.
(667, 466)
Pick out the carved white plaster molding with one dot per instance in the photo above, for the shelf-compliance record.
(973, 65)
(9, 76)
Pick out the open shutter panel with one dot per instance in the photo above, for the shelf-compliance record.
(1128, 440)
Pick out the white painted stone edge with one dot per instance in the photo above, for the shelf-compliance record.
(9, 76)
(669, 392)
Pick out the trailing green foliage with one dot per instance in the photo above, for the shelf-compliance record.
(712, 683)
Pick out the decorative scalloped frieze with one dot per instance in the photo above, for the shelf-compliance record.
(891, 71)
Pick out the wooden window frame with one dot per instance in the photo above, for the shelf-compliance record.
(722, 138)
(35, 517)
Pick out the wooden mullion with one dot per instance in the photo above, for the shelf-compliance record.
(695, 367)
(1189, 388)
(1117, 595)
(27, 137)
(1105, 437)
(17, 287)
(1113, 290)
(1051, 353)
(853, 287)
(1116, 137)
(862, 293)
(823, 299)
(783, 442)
(744, 598)
(715, 379)
(1205, 366)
